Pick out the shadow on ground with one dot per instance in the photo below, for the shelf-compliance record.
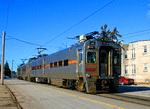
(124, 89)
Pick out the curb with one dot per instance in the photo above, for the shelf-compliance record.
(141, 83)
(14, 98)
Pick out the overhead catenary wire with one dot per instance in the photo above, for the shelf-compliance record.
(122, 35)
(75, 25)
(135, 35)
(23, 41)
(79, 22)
(135, 32)
(71, 26)
(55, 46)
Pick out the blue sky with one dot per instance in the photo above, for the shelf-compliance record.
(40, 21)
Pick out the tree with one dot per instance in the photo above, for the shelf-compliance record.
(7, 71)
(108, 35)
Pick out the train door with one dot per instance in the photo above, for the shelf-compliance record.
(28, 71)
(106, 62)
(80, 62)
(44, 64)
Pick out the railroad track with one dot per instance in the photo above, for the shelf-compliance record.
(127, 98)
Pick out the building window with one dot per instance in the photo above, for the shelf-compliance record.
(145, 49)
(126, 54)
(145, 66)
(126, 69)
(133, 53)
(133, 68)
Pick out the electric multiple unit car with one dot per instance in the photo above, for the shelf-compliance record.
(91, 65)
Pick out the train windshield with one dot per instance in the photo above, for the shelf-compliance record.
(117, 58)
(91, 57)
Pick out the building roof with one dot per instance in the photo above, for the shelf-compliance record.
(125, 46)
(139, 41)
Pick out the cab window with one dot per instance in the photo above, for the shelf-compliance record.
(91, 57)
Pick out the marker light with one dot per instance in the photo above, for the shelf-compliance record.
(89, 46)
(87, 75)
(90, 69)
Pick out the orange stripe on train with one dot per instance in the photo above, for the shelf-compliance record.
(90, 64)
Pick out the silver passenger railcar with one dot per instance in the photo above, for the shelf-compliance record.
(90, 65)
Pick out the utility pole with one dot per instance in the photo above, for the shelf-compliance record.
(12, 68)
(2, 58)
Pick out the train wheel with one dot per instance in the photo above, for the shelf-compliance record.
(48, 81)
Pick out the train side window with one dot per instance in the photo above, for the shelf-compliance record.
(66, 62)
(91, 57)
(80, 56)
(55, 64)
(51, 65)
(60, 63)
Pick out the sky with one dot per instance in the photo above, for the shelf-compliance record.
(49, 23)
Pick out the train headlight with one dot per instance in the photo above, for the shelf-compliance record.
(88, 76)
(92, 43)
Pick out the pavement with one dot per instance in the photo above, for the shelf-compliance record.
(6, 99)
(14, 97)
(22, 98)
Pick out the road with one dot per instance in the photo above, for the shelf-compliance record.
(43, 96)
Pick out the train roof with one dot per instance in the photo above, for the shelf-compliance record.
(82, 40)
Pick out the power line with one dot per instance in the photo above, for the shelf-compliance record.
(135, 32)
(23, 41)
(80, 22)
(76, 24)
(31, 53)
(58, 47)
(137, 35)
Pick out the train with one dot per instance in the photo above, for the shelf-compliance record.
(91, 65)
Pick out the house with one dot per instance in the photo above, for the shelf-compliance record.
(136, 61)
